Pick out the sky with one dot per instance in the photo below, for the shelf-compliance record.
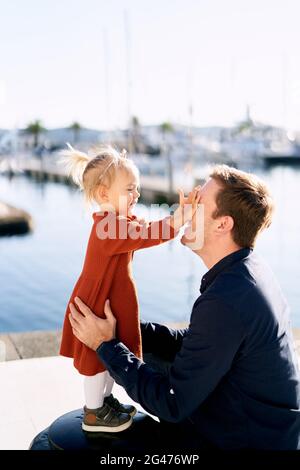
(100, 61)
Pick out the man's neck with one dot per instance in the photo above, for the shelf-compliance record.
(212, 255)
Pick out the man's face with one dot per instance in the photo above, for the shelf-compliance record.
(208, 200)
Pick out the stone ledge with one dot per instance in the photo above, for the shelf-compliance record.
(30, 344)
(14, 346)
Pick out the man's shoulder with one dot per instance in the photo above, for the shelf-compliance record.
(246, 278)
(249, 276)
(251, 289)
(213, 315)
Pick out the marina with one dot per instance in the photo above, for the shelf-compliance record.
(117, 106)
(37, 271)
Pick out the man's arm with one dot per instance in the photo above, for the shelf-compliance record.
(162, 341)
(208, 349)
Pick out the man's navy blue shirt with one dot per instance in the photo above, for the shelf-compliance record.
(234, 373)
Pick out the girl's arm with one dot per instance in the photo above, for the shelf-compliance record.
(121, 235)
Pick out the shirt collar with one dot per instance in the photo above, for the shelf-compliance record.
(224, 263)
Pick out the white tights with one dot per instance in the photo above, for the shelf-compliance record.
(96, 387)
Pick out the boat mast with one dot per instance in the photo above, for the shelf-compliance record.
(107, 84)
(129, 83)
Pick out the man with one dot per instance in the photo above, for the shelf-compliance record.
(234, 379)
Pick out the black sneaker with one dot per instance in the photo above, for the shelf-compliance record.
(117, 406)
(105, 419)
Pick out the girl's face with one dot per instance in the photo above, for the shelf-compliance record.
(123, 193)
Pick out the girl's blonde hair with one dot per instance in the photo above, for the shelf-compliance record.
(97, 167)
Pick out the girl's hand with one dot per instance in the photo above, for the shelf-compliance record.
(187, 207)
(190, 203)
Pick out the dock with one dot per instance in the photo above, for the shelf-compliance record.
(154, 189)
(271, 160)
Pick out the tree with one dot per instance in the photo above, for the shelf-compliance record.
(35, 129)
(166, 127)
(76, 128)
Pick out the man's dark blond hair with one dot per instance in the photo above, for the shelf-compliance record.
(246, 199)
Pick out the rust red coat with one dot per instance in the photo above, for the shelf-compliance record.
(107, 274)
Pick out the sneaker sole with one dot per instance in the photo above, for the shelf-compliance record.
(99, 428)
(134, 412)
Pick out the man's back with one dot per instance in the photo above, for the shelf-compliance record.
(256, 403)
(234, 373)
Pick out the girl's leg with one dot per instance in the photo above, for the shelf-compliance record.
(97, 415)
(113, 401)
(94, 390)
(109, 384)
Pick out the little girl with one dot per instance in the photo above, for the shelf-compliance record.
(111, 180)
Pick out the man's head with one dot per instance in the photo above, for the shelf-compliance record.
(237, 207)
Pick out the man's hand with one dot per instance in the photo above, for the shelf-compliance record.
(90, 329)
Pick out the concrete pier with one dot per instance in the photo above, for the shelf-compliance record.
(30, 344)
(34, 392)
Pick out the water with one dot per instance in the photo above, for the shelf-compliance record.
(38, 271)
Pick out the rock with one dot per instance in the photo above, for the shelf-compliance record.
(14, 221)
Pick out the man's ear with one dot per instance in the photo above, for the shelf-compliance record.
(225, 224)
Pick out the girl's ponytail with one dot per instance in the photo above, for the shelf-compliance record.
(97, 167)
(75, 162)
